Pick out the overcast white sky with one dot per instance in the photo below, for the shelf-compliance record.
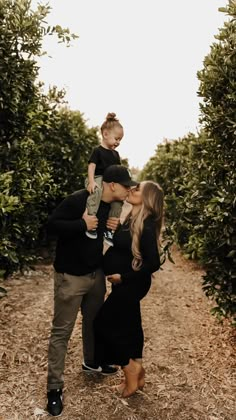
(137, 58)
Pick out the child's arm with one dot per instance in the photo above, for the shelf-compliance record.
(91, 183)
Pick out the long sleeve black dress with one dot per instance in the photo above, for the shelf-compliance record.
(118, 326)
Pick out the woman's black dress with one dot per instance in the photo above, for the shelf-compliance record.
(118, 326)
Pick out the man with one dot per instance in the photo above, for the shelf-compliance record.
(79, 279)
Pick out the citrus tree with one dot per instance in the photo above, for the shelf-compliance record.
(42, 148)
(198, 174)
(218, 114)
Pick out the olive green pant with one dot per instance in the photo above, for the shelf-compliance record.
(70, 294)
(93, 200)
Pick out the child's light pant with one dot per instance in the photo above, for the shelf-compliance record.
(93, 201)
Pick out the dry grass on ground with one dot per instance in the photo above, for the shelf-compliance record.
(189, 357)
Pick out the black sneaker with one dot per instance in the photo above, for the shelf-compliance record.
(108, 370)
(55, 405)
(104, 369)
(108, 237)
(92, 234)
(91, 368)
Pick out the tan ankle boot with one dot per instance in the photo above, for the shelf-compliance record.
(141, 382)
(132, 372)
(118, 388)
(141, 379)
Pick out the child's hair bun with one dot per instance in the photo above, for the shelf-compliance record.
(111, 116)
(110, 122)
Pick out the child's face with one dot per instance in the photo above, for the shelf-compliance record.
(113, 137)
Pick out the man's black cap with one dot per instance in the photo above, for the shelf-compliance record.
(119, 174)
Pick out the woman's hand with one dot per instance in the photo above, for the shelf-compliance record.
(114, 278)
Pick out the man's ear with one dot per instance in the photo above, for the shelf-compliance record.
(112, 186)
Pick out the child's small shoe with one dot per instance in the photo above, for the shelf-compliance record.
(92, 234)
(108, 237)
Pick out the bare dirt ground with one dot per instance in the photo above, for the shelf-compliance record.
(189, 357)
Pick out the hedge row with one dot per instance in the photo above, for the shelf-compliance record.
(198, 174)
(43, 145)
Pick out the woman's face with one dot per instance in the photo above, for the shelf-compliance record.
(135, 195)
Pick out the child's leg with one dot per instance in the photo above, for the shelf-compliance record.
(116, 207)
(115, 211)
(93, 200)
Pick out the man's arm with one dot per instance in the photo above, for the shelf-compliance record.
(70, 219)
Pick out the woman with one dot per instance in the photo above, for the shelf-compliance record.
(129, 265)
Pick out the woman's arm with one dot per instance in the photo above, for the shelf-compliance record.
(149, 252)
(150, 255)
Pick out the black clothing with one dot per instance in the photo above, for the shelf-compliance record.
(76, 254)
(103, 158)
(118, 325)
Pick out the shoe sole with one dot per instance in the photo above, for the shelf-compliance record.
(51, 415)
(90, 371)
(108, 374)
(108, 243)
(91, 237)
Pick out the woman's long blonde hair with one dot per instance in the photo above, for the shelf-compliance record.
(153, 203)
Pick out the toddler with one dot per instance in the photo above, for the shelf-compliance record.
(102, 157)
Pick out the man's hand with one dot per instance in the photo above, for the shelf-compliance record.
(113, 223)
(114, 278)
(91, 221)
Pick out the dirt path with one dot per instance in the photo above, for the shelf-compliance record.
(189, 357)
